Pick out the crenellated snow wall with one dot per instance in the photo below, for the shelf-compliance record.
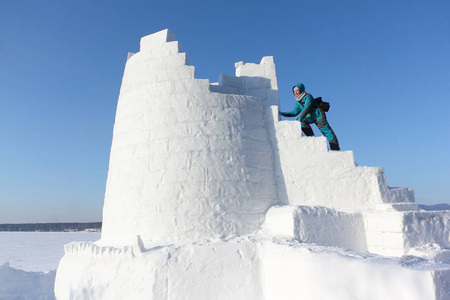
(211, 196)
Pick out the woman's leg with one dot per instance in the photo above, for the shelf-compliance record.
(328, 132)
(306, 128)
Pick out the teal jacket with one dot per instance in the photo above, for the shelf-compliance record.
(307, 107)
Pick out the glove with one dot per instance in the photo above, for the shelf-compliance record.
(283, 114)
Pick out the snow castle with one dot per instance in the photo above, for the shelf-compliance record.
(210, 196)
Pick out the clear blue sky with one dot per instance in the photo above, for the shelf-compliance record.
(383, 65)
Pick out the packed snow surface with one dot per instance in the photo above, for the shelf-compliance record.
(28, 261)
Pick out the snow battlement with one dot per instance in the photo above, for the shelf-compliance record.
(156, 40)
(258, 80)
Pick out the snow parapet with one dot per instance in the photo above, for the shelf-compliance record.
(258, 80)
(197, 168)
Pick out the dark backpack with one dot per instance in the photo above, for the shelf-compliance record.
(325, 106)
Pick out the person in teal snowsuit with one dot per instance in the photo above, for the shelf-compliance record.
(310, 112)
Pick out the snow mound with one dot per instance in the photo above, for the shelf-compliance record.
(18, 284)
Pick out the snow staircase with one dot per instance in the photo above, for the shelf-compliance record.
(330, 201)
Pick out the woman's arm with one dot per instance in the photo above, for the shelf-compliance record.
(294, 113)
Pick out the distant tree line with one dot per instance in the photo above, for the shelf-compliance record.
(95, 226)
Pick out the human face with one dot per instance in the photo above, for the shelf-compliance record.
(296, 93)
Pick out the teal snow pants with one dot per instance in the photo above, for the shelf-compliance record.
(326, 130)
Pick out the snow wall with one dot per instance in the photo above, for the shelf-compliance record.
(210, 195)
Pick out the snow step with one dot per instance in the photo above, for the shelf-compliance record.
(404, 206)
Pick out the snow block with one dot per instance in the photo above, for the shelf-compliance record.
(210, 270)
(155, 40)
(316, 273)
(389, 233)
(144, 61)
(230, 81)
(317, 225)
(257, 80)
(398, 233)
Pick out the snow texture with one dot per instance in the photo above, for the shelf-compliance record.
(196, 169)
(19, 284)
(246, 267)
(28, 262)
(38, 251)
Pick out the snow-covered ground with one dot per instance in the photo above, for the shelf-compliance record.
(28, 262)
